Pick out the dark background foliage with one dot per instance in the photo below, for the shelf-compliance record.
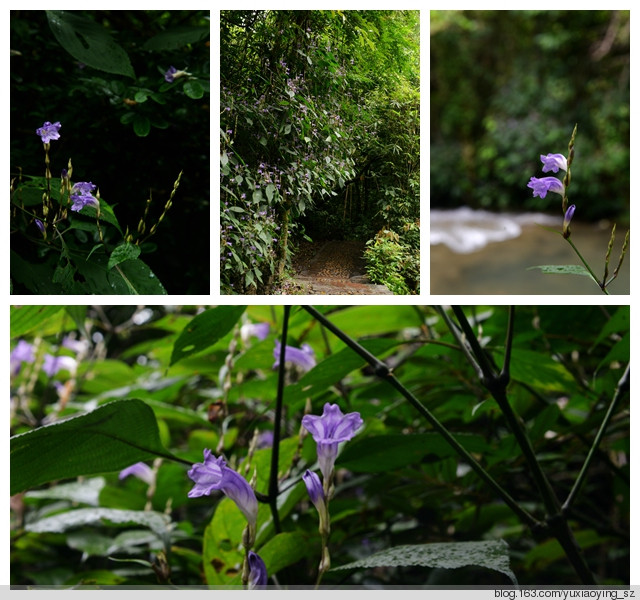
(48, 84)
(507, 86)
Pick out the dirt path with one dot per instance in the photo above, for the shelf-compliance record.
(334, 267)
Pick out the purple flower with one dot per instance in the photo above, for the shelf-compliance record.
(23, 352)
(257, 572)
(303, 357)
(81, 195)
(328, 431)
(40, 225)
(265, 439)
(169, 74)
(553, 162)
(566, 232)
(543, 185)
(213, 474)
(49, 131)
(259, 330)
(78, 346)
(141, 471)
(53, 364)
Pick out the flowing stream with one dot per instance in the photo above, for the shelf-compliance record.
(477, 252)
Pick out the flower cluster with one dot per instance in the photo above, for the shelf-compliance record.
(81, 195)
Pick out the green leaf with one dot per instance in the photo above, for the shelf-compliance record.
(382, 453)
(89, 43)
(539, 370)
(286, 549)
(453, 555)
(205, 330)
(159, 523)
(141, 126)
(135, 277)
(110, 438)
(141, 96)
(177, 37)
(270, 190)
(125, 251)
(562, 270)
(193, 89)
(26, 318)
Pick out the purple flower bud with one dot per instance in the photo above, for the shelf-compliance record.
(303, 357)
(314, 488)
(543, 185)
(213, 474)
(49, 131)
(328, 431)
(566, 232)
(257, 572)
(141, 471)
(40, 225)
(553, 162)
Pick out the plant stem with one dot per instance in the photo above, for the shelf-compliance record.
(584, 262)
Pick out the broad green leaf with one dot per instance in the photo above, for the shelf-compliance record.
(134, 277)
(382, 453)
(539, 370)
(549, 551)
(193, 89)
(82, 492)
(205, 330)
(562, 270)
(177, 37)
(159, 523)
(88, 42)
(125, 251)
(287, 549)
(109, 438)
(25, 319)
(452, 555)
(141, 125)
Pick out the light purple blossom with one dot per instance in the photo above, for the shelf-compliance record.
(78, 346)
(81, 195)
(259, 330)
(328, 431)
(141, 471)
(303, 357)
(257, 572)
(169, 74)
(553, 162)
(53, 364)
(23, 352)
(213, 474)
(49, 131)
(541, 186)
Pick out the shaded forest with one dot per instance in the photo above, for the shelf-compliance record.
(319, 140)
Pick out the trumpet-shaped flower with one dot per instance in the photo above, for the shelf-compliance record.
(257, 572)
(303, 357)
(328, 430)
(553, 162)
(213, 474)
(541, 186)
(81, 195)
(49, 131)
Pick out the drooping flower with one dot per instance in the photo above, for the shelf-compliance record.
(259, 330)
(213, 474)
(303, 357)
(566, 232)
(541, 186)
(53, 364)
(141, 471)
(169, 74)
(257, 572)
(328, 431)
(49, 131)
(81, 195)
(553, 162)
(23, 352)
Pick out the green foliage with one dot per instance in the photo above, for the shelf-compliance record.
(319, 111)
(508, 86)
(392, 263)
(406, 509)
